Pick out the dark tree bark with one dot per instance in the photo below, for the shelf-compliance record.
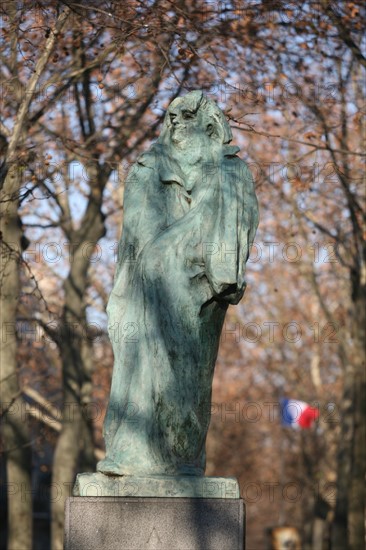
(73, 343)
(15, 434)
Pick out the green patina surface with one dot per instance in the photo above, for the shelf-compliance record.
(190, 216)
(100, 485)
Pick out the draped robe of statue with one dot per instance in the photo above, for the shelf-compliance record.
(185, 242)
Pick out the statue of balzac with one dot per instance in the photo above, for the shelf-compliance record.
(190, 216)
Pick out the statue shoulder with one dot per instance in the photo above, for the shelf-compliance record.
(152, 158)
(141, 169)
(148, 159)
(239, 176)
(237, 169)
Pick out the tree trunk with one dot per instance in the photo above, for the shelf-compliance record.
(348, 529)
(75, 441)
(340, 521)
(15, 429)
(356, 512)
(15, 433)
(318, 534)
(72, 438)
(64, 466)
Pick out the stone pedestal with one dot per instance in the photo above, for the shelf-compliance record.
(101, 485)
(128, 523)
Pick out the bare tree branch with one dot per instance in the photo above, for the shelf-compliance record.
(23, 111)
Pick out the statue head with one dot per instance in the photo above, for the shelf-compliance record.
(194, 118)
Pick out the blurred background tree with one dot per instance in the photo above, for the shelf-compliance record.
(84, 88)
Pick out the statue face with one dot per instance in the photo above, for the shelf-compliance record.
(186, 126)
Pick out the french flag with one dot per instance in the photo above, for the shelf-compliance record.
(298, 414)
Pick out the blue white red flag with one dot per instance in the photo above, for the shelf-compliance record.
(298, 414)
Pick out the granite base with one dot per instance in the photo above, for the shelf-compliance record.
(117, 523)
